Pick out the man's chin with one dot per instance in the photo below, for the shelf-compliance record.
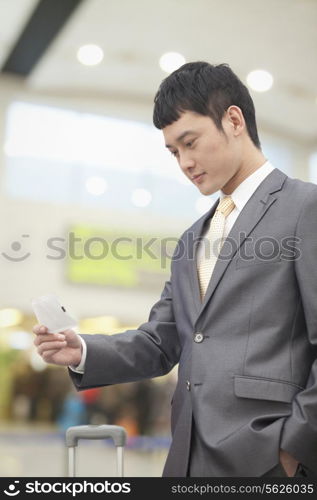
(207, 191)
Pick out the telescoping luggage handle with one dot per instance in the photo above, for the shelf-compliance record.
(116, 432)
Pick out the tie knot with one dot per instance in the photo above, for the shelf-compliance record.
(226, 205)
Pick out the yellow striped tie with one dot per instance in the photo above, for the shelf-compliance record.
(215, 238)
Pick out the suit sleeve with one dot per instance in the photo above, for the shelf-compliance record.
(149, 351)
(299, 436)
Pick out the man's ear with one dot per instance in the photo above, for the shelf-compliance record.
(235, 119)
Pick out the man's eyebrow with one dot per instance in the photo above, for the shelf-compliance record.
(181, 137)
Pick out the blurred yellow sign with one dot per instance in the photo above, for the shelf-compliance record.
(118, 258)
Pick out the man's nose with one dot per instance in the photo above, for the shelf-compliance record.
(186, 162)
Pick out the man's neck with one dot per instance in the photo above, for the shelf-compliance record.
(248, 166)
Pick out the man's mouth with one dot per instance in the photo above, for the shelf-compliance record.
(198, 177)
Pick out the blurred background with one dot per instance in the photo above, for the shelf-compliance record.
(91, 203)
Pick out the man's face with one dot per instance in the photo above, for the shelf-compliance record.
(209, 157)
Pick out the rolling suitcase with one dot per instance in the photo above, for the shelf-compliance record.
(73, 434)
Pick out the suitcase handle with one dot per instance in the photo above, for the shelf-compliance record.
(116, 432)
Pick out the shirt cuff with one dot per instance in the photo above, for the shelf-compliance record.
(81, 367)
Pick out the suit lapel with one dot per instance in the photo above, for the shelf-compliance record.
(257, 206)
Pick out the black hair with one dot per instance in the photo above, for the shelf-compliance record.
(205, 89)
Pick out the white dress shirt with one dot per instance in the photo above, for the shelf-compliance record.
(240, 196)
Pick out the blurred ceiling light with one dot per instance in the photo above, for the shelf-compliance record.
(10, 317)
(36, 362)
(141, 197)
(90, 55)
(171, 61)
(96, 186)
(260, 80)
(20, 340)
(203, 204)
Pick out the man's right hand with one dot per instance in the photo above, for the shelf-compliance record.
(64, 348)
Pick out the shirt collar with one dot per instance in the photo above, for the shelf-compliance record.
(245, 190)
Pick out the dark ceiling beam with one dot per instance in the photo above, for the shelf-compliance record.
(47, 19)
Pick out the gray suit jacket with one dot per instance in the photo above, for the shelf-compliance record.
(250, 379)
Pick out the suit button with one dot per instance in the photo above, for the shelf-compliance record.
(198, 337)
(188, 385)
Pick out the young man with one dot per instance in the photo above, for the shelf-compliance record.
(241, 321)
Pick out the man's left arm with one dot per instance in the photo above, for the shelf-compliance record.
(299, 436)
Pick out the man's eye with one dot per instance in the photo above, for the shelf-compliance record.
(174, 153)
(189, 143)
